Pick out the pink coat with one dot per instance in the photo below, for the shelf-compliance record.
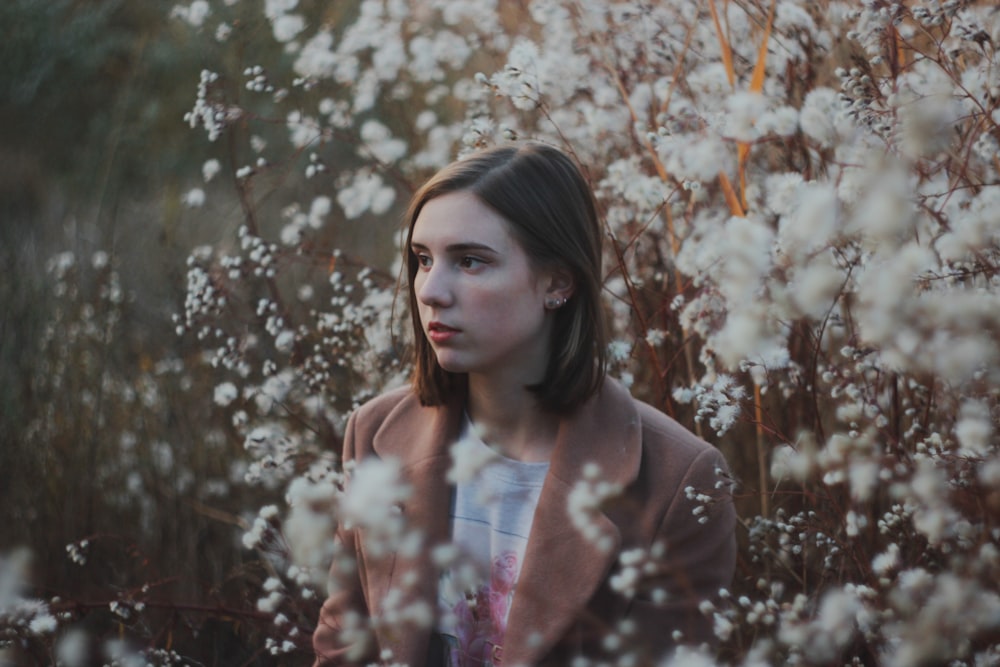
(564, 602)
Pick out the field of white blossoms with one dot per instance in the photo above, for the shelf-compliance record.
(801, 203)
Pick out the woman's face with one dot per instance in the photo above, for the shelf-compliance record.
(480, 300)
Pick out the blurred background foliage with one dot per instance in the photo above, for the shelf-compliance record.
(82, 136)
(116, 469)
(94, 156)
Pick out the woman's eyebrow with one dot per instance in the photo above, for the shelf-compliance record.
(464, 246)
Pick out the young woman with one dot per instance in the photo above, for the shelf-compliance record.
(504, 266)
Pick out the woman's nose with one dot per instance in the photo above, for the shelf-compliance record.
(432, 287)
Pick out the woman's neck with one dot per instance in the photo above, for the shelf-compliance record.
(510, 419)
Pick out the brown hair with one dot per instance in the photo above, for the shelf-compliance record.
(541, 193)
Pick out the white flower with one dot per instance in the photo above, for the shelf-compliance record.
(287, 26)
(284, 341)
(724, 418)
(254, 537)
(854, 523)
(655, 337)
(815, 285)
(884, 214)
(367, 191)
(318, 211)
(834, 626)
(275, 8)
(72, 648)
(817, 117)
(782, 192)
(380, 142)
(210, 169)
(886, 288)
(43, 624)
(194, 14)
(310, 527)
(270, 603)
(274, 390)
(722, 627)
(468, 457)
(689, 656)
(373, 493)
(519, 78)
(316, 59)
(225, 394)
(974, 429)
(886, 561)
(584, 504)
(619, 350)
(812, 221)
(99, 259)
(789, 462)
(783, 121)
(302, 130)
(694, 157)
(863, 476)
(194, 198)
(989, 472)
(744, 110)
(291, 234)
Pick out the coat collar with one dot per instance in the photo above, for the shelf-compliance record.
(562, 567)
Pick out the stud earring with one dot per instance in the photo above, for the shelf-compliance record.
(554, 302)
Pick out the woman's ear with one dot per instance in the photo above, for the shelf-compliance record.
(559, 289)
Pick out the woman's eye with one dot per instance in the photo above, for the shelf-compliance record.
(424, 260)
(469, 262)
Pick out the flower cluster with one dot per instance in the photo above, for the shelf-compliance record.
(20, 614)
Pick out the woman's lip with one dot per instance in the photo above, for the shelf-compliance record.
(440, 333)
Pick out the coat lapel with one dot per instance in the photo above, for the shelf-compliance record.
(562, 567)
(419, 438)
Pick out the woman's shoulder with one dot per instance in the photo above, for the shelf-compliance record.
(663, 441)
(676, 462)
(667, 444)
(395, 423)
(677, 471)
(661, 430)
(386, 401)
(380, 406)
(367, 420)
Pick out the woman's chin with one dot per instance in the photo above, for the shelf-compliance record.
(451, 364)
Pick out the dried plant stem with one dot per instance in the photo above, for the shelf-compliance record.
(730, 195)
(661, 171)
(758, 415)
(727, 52)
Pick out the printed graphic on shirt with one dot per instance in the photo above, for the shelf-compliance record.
(480, 617)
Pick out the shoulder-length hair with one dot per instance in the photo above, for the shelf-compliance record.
(541, 193)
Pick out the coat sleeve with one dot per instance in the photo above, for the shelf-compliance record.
(336, 640)
(697, 534)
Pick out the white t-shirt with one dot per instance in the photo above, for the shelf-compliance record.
(491, 517)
